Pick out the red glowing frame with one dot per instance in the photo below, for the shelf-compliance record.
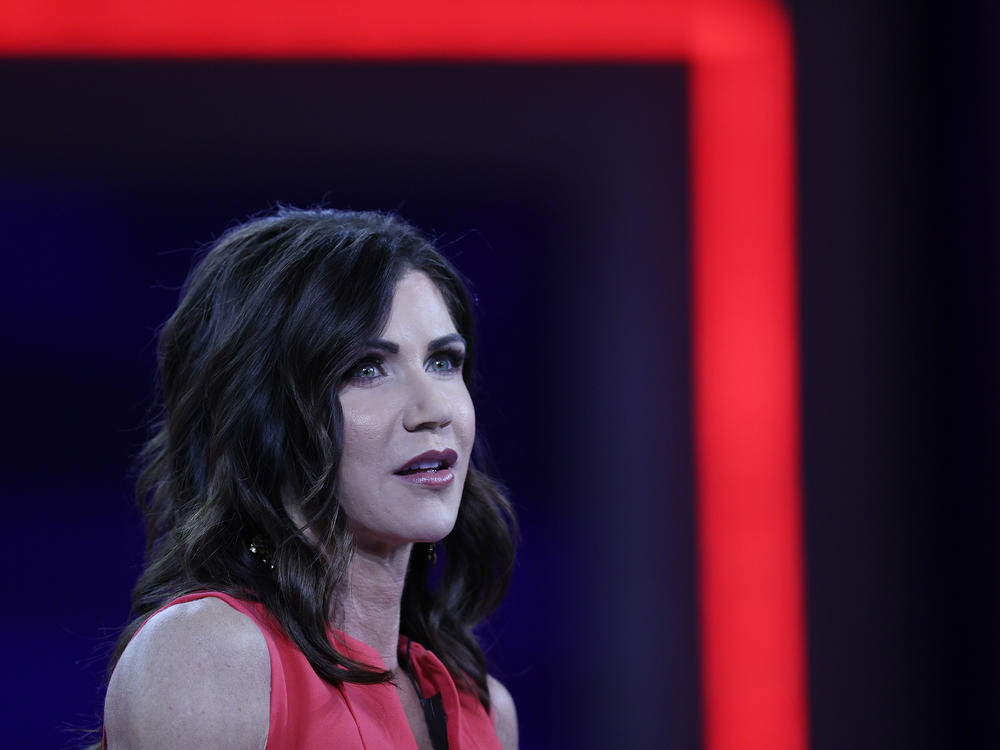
(745, 334)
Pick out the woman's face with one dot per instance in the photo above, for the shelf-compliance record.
(409, 425)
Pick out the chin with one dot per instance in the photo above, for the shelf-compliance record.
(436, 520)
(428, 526)
(437, 531)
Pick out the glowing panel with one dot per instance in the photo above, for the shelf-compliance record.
(743, 263)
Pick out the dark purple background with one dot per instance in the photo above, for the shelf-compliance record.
(561, 192)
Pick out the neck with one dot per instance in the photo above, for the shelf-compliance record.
(369, 608)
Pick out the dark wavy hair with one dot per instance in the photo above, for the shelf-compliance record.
(250, 365)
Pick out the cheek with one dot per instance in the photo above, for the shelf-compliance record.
(364, 443)
(359, 429)
(465, 423)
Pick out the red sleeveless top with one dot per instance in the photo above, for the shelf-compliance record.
(310, 714)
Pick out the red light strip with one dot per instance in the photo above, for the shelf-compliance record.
(746, 388)
(743, 262)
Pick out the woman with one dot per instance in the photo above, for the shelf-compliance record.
(314, 446)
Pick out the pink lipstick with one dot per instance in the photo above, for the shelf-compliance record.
(429, 469)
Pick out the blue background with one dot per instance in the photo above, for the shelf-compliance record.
(559, 191)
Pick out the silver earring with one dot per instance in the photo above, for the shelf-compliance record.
(432, 553)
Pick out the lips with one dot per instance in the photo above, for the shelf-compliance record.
(429, 461)
(429, 469)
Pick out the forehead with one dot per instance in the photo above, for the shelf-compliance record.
(417, 304)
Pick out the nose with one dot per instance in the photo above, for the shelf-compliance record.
(428, 407)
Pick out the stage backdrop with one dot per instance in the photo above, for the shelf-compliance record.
(560, 191)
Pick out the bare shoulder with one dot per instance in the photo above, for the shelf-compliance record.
(504, 713)
(197, 675)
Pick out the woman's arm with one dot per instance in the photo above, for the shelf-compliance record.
(197, 675)
(504, 713)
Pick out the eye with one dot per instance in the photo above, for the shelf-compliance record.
(368, 368)
(449, 360)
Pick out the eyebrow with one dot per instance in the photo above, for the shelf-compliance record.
(444, 341)
(440, 341)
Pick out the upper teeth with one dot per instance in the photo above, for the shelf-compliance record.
(425, 465)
